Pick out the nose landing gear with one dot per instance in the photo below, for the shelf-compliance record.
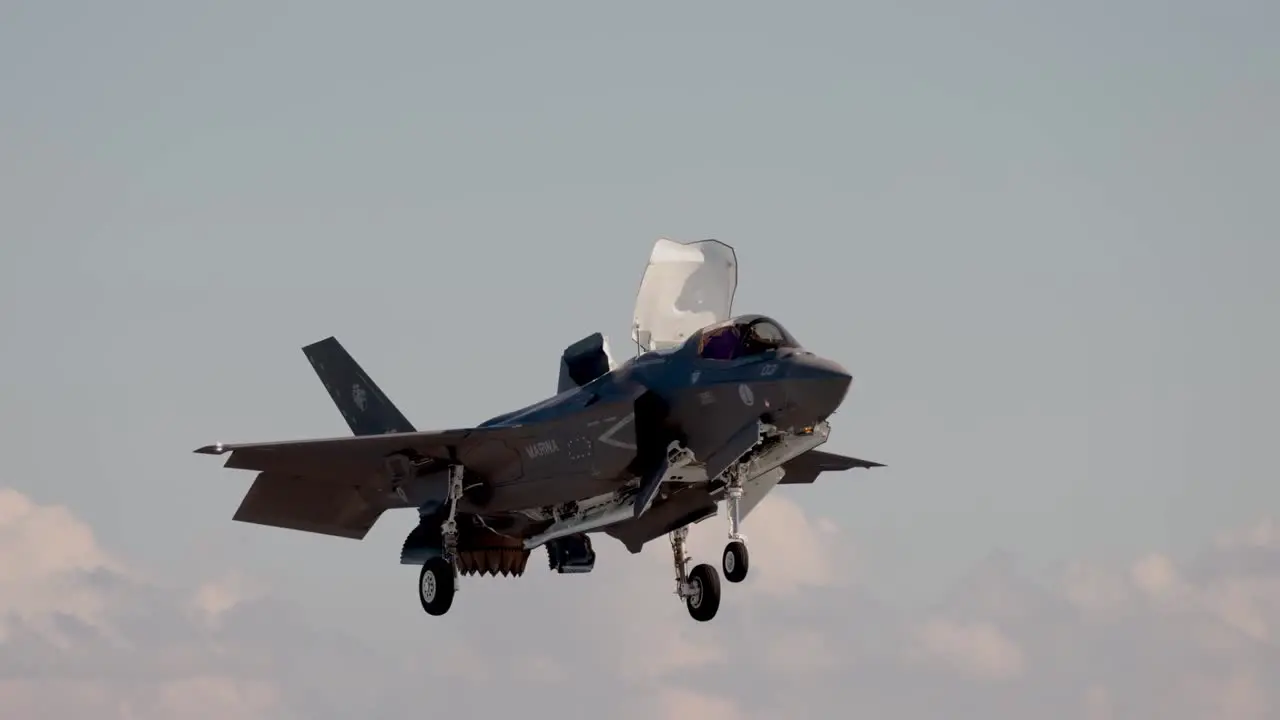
(736, 559)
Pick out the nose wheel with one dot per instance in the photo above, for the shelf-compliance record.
(735, 562)
(736, 559)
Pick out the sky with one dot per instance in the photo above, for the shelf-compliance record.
(1040, 236)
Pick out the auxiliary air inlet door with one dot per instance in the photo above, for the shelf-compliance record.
(686, 287)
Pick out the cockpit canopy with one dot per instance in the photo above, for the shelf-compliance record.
(743, 337)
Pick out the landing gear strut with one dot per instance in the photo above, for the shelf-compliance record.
(449, 528)
(439, 578)
(700, 588)
(736, 559)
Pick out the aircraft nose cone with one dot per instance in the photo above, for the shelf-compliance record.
(818, 386)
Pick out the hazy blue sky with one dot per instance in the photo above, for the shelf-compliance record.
(1041, 235)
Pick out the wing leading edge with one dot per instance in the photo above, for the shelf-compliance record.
(339, 456)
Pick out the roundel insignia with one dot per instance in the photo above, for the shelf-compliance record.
(744, 392)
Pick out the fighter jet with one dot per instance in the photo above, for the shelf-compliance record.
(713, 408)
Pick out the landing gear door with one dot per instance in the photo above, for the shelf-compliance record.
(686, 287)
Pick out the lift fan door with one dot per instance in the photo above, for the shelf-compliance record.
(686, 287)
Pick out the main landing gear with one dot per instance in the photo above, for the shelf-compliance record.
(439, 578)
(699, 588)
(436, 585)
(736, 559)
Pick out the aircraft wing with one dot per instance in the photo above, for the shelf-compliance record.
(334, 486)
(806, 468)
(345, 456)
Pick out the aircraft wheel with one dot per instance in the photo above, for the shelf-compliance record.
(436, 586)
(704, 600)
(735, 561)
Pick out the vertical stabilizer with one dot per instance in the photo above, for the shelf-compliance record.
(367, 410)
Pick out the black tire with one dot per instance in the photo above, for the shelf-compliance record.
(736, 561)
(705, 600)
(436, 586)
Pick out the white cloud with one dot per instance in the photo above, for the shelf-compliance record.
(72, 627)
(1264, 535)
(47, 556)
(210, 697)
(679, 704)
(1098, 704)
(214, 598)
(801, 651)
(1158, 636)
(790, 552)
(978, 649)
(1095, 590)
(1156, 576)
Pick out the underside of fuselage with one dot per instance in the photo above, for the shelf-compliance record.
(495, 543)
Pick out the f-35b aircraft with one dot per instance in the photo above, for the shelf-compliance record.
(712, 408)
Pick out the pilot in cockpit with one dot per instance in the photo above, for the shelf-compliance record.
(743, 340)
(759, 337)
(720, 343)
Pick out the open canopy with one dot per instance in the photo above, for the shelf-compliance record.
(686, 287)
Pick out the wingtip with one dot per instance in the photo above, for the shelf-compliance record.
(310, 347)
(214, 449)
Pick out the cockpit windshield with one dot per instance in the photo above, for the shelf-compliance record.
(741, 339)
